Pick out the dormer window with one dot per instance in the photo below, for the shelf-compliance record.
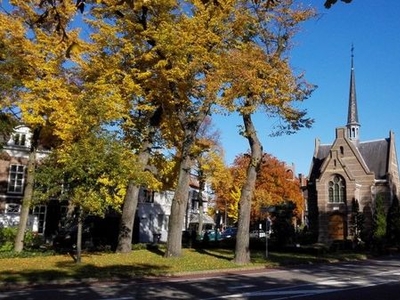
(20, 139)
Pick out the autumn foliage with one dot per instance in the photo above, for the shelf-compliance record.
(275, 185)
(73, 68)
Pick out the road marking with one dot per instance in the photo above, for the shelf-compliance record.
(241, 287)
(121, 298)
(331, 284)
(286, 294)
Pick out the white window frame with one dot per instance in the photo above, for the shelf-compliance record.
(16, 179)
(40, 211)
(19, 139)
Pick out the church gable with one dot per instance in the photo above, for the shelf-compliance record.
(340, 157)
(349, 156)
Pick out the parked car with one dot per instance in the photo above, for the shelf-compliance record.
(229, 233)
(258, 233)
(211, 235)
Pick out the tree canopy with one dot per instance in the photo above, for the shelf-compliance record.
(275, 185)
(153, 71)
(328, 3)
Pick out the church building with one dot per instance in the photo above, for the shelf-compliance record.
(350, 173)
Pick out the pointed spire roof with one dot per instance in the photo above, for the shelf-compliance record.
(352, 118)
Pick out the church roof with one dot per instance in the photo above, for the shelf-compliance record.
(318, 159)
(375, 154)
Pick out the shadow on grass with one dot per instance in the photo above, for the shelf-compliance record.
(291, 259)
(157, 249)
(224, 254)
(79, 273)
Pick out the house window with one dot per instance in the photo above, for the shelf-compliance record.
(39, 217)
(337, 190)
(160, 221)
(194, 200)
(13, 208)
(16, 181)
(166, 222)
(19, 139)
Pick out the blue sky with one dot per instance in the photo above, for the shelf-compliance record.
(323, 51)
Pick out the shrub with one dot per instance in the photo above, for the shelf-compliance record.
(7, 237)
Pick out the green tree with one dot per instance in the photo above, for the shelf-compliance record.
(379, 222)
(92, 175)
(7, 124)
(282, 223)
(357, 221)
(393, 223)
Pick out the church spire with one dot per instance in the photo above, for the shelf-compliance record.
(352, 118)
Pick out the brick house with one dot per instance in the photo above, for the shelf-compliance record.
(13, 161)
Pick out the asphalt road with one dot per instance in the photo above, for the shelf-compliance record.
(371, 279)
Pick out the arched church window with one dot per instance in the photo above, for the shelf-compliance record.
(336, 189)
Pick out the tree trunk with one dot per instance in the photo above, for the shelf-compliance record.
(28, 193)
(131, 201)
(178, 209)
(128, 219)
(242, 251)
(200, 199)
(78, 257)
(179, 203)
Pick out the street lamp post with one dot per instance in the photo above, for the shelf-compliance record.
(266, 238)
(267, 209)
(267, 231)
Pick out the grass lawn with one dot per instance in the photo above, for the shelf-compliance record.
(42, 268)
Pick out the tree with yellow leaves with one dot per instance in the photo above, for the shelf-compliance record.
(185, 57)
(150, 55)
(258, 76)
(34, 79)
(233, 206)
(208, 160)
